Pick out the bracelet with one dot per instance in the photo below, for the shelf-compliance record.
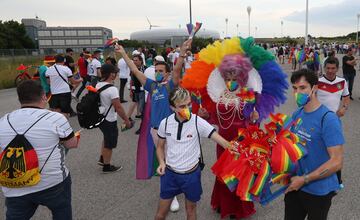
(306, 179)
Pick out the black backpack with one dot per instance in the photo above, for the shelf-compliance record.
(88, 109)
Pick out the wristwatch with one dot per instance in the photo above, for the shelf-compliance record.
(306, 179)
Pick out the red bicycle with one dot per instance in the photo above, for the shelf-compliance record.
(25, 75)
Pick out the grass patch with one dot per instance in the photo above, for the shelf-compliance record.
(8, 70)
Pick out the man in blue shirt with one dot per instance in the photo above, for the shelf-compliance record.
(159, 90)
(310, 192)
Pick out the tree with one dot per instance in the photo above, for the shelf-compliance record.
(13, 36)
(200, 43)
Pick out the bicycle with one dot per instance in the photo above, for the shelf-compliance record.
(24, 74)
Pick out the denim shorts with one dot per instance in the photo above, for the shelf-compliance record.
(172, 184)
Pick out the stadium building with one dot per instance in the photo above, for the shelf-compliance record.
(170, 36)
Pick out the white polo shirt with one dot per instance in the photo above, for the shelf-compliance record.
(330, 92)
(57, 84)
(182, 143)
(106, 98)
(93, 66)
(44, 136)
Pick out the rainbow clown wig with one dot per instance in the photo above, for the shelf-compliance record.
(254, 67)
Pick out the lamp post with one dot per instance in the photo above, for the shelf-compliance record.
(282, 24)
(226, 21)
(307, 23)
(249, 11)
(255, 32)
(237, 30)
(190, 12)
(357, 29)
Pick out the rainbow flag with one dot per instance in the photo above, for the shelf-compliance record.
(231, 182)
(194, 29)
(111, 42)
(196, 97)
(301, 56)
(262, 177)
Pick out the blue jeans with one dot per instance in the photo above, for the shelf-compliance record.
(56, 198)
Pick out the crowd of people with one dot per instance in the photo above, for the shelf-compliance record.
(154, 82)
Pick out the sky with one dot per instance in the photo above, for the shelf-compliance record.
(326, 18)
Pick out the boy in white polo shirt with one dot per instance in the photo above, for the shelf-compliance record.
(179, 164)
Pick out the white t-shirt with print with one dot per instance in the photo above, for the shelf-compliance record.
(106, 97)
(93, 66)
(44, 136)
(330, 92)
(57, 84)
(182, 143)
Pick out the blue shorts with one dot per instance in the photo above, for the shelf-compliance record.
(172, 184)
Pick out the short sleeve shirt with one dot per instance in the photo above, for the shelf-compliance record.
(318, 131)
(93, 66)
(106, 97)
(182, 140)
(330, 92)
(57, 84)
(43, 79)
(124, 69)
(160, 106)
(44, 136)
(348, 69)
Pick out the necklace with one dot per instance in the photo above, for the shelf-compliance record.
(233, 107)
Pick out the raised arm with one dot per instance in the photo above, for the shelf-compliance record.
(139, 75)
(176, 75)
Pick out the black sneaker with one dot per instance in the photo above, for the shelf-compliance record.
(111, 168)
(101, 161)
(351, 98)
(138, 116)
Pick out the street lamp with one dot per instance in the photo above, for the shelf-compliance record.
(190, 12)
(249, 11)
(255, 32)
(307, 23)
(282, 24)
(237, 30)
(226, 21)
(357, 29)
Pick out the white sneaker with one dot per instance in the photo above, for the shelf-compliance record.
(174, 207)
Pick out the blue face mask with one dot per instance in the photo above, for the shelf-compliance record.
(159, 77)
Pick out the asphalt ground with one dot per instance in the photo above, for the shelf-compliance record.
(120, 196)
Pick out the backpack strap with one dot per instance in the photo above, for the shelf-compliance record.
(323, 117)
(166, 120)
(7, 117)
(102, 89)
(48, 157)
(197, 131)
(62, 77)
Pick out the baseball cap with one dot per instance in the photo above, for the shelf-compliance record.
(159, 58)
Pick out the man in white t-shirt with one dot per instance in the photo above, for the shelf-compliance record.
(179, 154)
(124, 74)
(111, 108)
(60, 78)
(333, 90)
(93, 68)
(49, 133)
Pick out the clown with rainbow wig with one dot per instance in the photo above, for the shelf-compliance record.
(240, 84)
